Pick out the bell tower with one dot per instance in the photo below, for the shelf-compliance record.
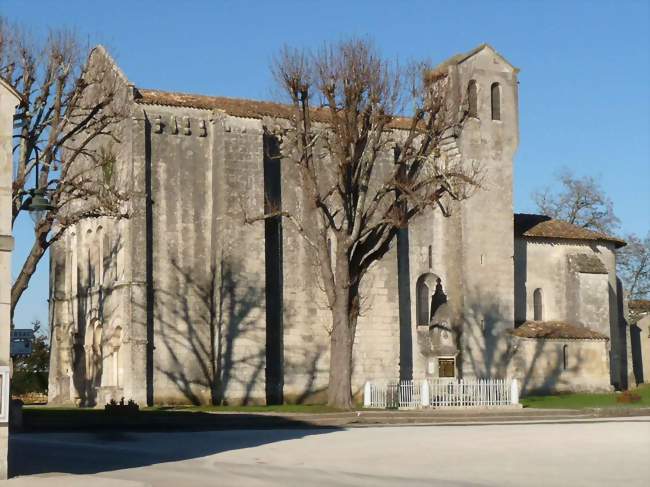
(487, 84)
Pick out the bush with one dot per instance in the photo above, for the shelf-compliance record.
(120, 408)
(628, 397)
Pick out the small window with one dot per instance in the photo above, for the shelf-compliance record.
(422, 303)
(496, 101)
(565, 357)
(537, 305)
(430, 256)
(472, 98)
(446, 367)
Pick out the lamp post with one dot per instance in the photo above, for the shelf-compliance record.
(37, 203)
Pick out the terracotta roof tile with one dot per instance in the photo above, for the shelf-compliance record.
(236, 107)
(639, 305)
(541, 226)
(555, 330)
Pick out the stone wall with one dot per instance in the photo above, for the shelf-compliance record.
(555, 366)
(91, 280)
(640, 350)
(89, 306)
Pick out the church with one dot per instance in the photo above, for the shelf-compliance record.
(184, 302)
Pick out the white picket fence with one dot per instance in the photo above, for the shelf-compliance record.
(411, 394)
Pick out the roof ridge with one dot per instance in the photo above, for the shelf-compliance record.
(542, 226)
(236, 107)
(218, 97)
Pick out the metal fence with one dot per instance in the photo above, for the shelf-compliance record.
(411, 394)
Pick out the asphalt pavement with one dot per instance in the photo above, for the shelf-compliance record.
(571, 452)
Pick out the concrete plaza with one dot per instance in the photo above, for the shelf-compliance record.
(603, 452)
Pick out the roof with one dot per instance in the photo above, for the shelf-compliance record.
(258, 109)
(587, 264)
(236, 107)
(541, 226)
(639, 305)
(460, 58)
(556, 330)
(9, 88)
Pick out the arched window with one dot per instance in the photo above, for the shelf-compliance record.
(106, 259)
(472, 98)
(99, 243)
(112, 359)
(495, 91)
(537, 305)
(74, 266)
(565, 357)
(423, 294)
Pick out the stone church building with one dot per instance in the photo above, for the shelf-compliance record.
(185, 303)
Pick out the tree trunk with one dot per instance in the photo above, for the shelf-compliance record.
(345, 312)
(339, 392)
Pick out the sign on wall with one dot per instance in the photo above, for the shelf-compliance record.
(21, 342)
(4, 394)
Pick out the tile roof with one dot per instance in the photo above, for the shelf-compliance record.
(556, 330)
(639, 305)
(541, 226)
(236, 107)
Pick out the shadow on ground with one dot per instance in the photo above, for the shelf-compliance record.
(92, 446)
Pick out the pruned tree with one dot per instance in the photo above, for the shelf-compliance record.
(67, 118)
(578, 200)
(633, 266)
(363, 171)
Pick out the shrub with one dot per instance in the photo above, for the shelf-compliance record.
(120, 408)
(628, 397)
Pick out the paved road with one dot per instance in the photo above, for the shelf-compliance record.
(593, 453)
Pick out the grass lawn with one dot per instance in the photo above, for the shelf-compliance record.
(579, 401)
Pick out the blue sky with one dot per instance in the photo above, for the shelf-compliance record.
(584, 81)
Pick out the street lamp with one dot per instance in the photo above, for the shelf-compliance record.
(37, 203)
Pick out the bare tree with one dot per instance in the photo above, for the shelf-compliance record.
(67, 115)
(583, 202)
(578, 200)
(364, 173)
(633, 266)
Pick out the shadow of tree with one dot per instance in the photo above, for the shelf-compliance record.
(490, 351)
(198, 325)
(212, 342)
(80, 345)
